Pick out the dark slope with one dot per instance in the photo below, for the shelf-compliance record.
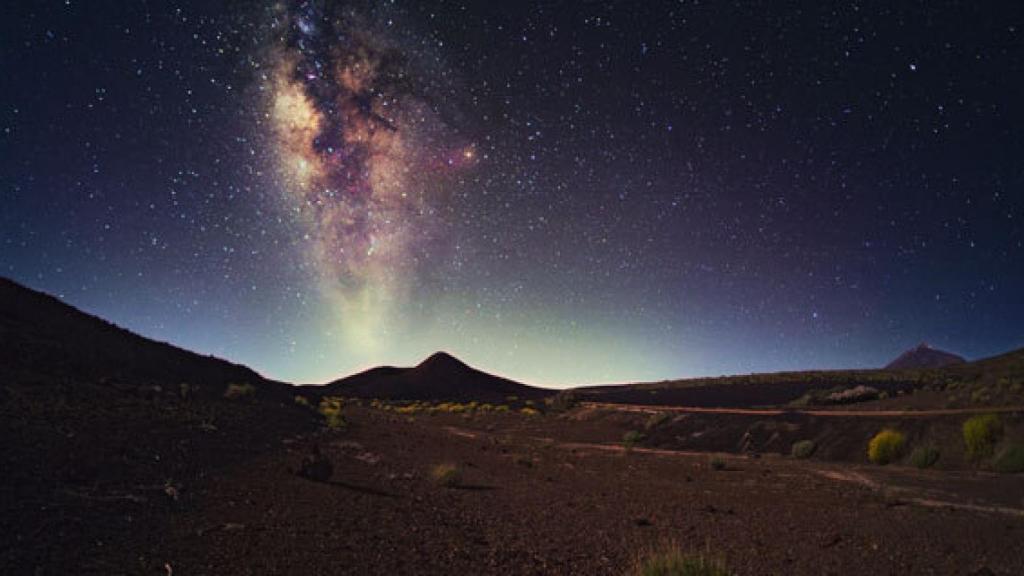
(774, 389)
(440, 377)
(924, 356)
(97, 426)
(45, 341)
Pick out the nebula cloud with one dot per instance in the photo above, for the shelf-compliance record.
(362, 153)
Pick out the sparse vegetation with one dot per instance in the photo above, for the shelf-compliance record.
(803, 449)
(235, 391)
(656, 419)
(981, 434)
(716, 463)
(302, 401)
(563, 401)
(671, 561)
(1010, 459)
(887, 446)
(528, 411)
(924, 456)
(330, 409)
(631, 439)
(447, 475)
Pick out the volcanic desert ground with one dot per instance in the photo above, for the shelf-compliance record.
(122, 455)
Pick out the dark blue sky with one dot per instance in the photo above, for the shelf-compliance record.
(559, 192)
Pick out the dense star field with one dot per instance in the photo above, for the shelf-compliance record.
(561, 193)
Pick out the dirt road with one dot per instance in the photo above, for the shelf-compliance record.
(651, 409)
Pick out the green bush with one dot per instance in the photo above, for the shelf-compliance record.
(886, 446)
(631, 439)
(235, 391)
(1010, 460)
(671, 561)
(447, 475)
(981, 434)
(803, 449)
(924, 456)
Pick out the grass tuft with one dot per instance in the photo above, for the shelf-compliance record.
(631, 439)
(924, 457)
(671, 561)
(803, 449)
(447, 475)
(656, 419)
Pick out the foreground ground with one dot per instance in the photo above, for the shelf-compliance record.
(557, 495)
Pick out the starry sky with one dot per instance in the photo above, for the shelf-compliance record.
(559, 192)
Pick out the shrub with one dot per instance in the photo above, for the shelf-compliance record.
(656, 419)
(447, 475)
(981, 433)
(803, 449)
(563, 401)
(886, 446)
(631, 439)
(981, 396)
(330, 409)
(1010, 460)
(716, 463)
(501, 408)
(302, 401)
(235, 391)
(924, 456)
(527, 411)
(671, 561)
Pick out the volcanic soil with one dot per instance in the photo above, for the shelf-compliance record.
(536, 499)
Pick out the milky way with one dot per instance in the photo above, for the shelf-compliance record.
(559, 192)
(362, 155)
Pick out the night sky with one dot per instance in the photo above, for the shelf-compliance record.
(559, 192)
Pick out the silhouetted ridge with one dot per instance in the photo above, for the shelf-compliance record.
(47, 341)
(442, 361)
(439, 377)
(924, 356)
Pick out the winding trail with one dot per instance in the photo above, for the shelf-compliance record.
(852, 474)
(651, 409)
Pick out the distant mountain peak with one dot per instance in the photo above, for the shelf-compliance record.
(439, 377)
(924, 356)
(443, 361)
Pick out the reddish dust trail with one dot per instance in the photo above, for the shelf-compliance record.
(650, 409)
(854, 477)
(471, 434)
(850, 476)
